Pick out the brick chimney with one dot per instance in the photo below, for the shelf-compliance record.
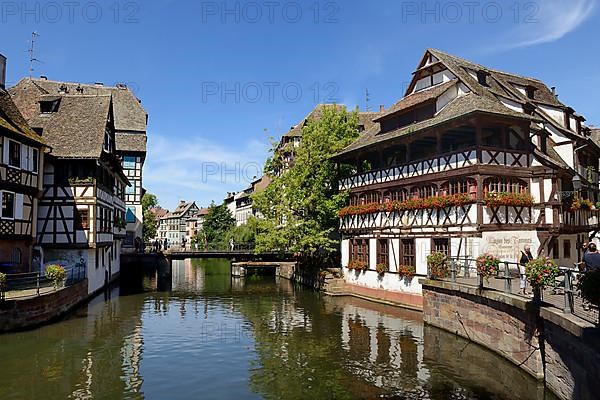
(2, 72)
(381, 108)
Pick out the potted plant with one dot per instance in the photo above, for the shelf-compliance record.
(487, 265)
(406, 271)
(586, 204)
(381, 269)
(438, 265)
(541, 272)
(358, 265)
(56, 274)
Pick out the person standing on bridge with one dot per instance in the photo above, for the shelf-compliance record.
(526, 256)
(231, 244)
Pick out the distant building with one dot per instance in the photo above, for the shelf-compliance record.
(244, 208)
(129, 120)
(21, 165)
(173, 226)
(81, 215)
(195, 222)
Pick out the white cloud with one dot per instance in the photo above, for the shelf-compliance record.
(200, 169)
(552, 20)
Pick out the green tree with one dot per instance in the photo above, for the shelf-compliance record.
(149, 229)
(216, 224)
(300, 207)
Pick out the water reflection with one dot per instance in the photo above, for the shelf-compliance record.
(205, 335)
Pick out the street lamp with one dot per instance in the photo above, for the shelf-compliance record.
(577, 183)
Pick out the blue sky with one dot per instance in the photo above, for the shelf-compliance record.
(219, 78)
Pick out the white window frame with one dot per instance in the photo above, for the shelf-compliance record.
(8, 154)
(2, 205)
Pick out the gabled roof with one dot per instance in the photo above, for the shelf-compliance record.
(77, 130)
(12, 120)
(480, 99)
(129, 115)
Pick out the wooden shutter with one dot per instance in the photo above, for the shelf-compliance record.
(18, 206)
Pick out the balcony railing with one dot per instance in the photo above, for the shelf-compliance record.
(580, 218)
(441, 163)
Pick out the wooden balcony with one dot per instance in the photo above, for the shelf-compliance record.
(441, 163)
(450, 216)
(580, 218)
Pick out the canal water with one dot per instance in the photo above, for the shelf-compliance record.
(199, 334)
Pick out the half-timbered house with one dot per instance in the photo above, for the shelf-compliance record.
(173, 226)
(130, 121)
(81, 215)
(470, 160)
(21, 162)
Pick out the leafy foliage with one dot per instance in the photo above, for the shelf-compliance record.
(56, 274)
(438, 265)
(300, 206)
(358, 265)
(434, 202)
(541, 272)
(149, 230)
(407, 271)
(381, 269)
(493, 199)
(487, 265)
(217, 223)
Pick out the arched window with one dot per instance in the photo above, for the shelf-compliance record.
(460, 186)
(15, 256)
(504, 185)
(424, 191)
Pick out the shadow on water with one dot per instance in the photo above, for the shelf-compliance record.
(199, 333)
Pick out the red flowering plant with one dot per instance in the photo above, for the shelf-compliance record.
(406, 271)
(493, 199)
(358, 265)
(487, 265)
(438, 265)
(541, 272)
(435, 202)
(381, 269)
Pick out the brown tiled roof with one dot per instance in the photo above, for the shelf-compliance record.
(135, 142)
(129, 115)
(77, 129)
(418, 98)
(159, 212)
(457, 108)
(12, 120)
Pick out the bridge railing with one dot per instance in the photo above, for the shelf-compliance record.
(215, 248)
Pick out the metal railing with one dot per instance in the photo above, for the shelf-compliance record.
(463, 269)
(32, 283)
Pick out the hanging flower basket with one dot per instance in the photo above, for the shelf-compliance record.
(381, 269)
(358, 265)
(438, 265)
(406, 271)
(487, 265)
(541, 272)
(435, 202)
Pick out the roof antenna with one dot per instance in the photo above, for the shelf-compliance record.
(367, 99)
(32, 59)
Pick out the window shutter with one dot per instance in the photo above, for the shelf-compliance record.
(24, 157)
(30, 158)
(18, 206)
(5, 151)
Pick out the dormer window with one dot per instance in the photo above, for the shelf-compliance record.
(530, 90)
(482, 77)
(49, 106)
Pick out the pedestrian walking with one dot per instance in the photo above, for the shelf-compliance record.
(526, 256)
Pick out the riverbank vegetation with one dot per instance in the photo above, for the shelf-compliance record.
(300, 207)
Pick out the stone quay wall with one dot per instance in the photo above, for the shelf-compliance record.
(31, 312)
(559, 349)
